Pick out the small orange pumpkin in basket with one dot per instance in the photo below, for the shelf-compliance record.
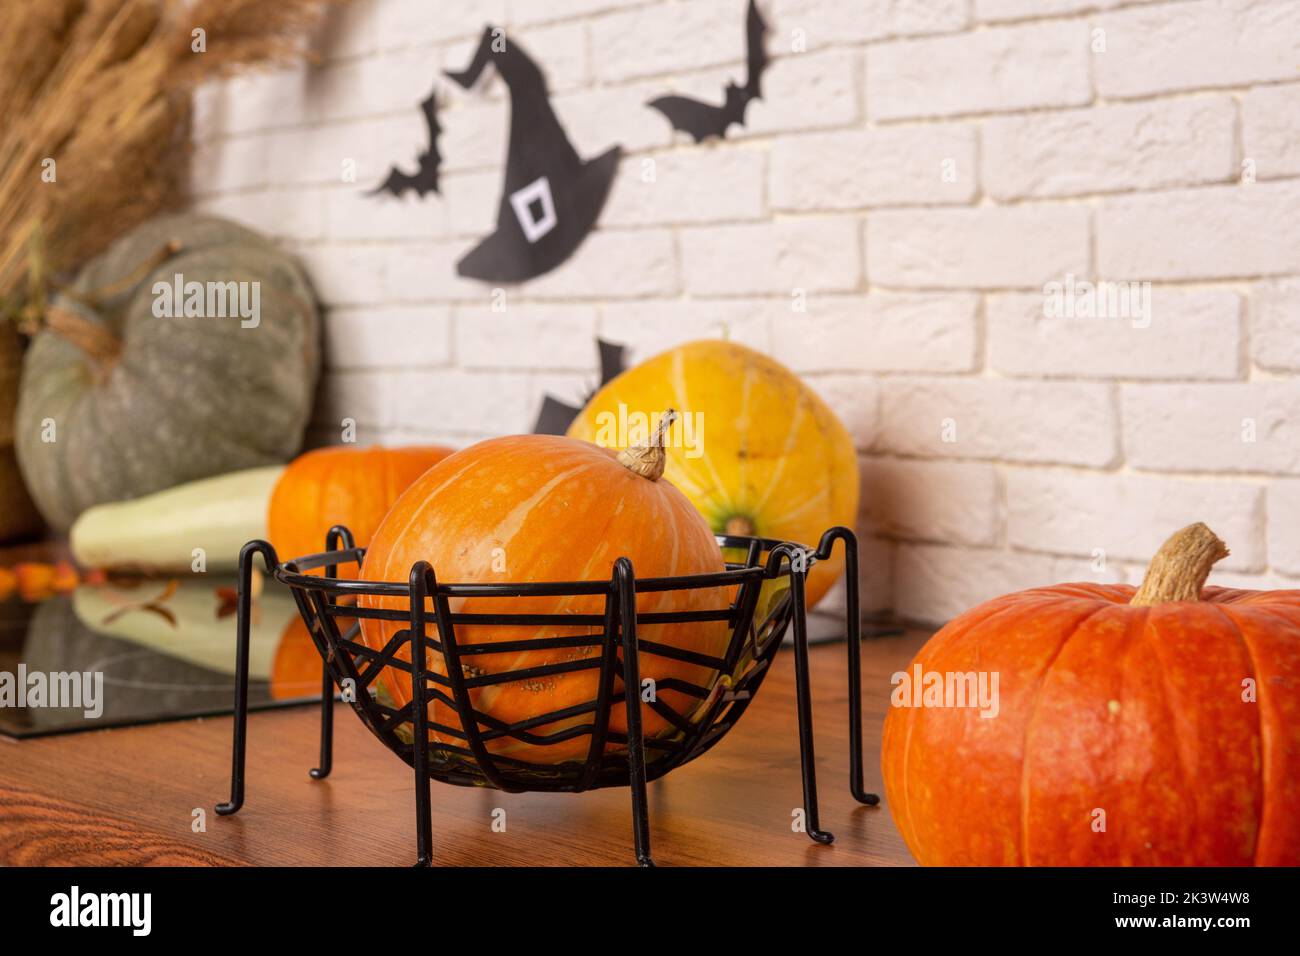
(537, 508)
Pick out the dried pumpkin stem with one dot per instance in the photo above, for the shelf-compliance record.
(97, 341)
(648, 460)
(1180, 567)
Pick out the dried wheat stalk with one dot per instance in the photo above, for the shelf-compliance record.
(103, 88)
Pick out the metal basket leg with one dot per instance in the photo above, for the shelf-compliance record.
(337, 537)
(807, 757)
(243, 628)
(625, 581)
(326, 726)
(854, 638)
(422, 584)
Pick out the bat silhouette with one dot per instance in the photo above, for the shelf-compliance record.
(556, 416)
(425, 179)
(703, 120)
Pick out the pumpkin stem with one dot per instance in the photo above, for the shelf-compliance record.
(96, 340)
(648, 460)
(1180, 567)
(93, 338)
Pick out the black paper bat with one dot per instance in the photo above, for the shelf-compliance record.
(556, 416)
(702, 120)
(425, 179)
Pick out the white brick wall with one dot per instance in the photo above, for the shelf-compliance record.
(918, 171)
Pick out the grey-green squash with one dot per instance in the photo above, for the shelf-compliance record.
(118, 401)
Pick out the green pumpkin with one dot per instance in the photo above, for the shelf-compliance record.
(183, 397)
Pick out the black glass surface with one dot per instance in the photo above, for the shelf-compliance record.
(165, 649)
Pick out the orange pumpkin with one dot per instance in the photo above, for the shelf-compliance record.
(1152, 727)
(536, 508)
(341, 484)
(296, 667)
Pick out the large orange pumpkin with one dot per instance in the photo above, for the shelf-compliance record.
(757, 450)
(341, 484)
(1156, 727)
(546, 508)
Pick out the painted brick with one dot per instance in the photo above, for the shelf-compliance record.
(475, 134)
(527, 336)
(775, 257)
(715, 185)
(282, 214)
(999, 419)
(648, 327)
(562, 51)
(464, 401)
(650, 40)
(598, 118)
(935, 583)
(1212, 233)
(347, 274)
(348, 30)
(1275, 325)
(983, 248)
(368, 398)
(1212, 43)
(1113, 148)
(467, 208)
(1128, 517)
(808, 91)
(1213, 427)
(880, 332)
(1188, 334)
(229, 165)
(823, 22)
(426, 272)
(931, 501)
(1001, 69)
(411, 337)
(875, 587)
(256, 101)
(614, 264)
(856, 400)
(527, 12)
(1253, 582)
(996, 10)
(1270, 130)
(401, 23)
(905, 166)
(1284, 526)
(364, 149)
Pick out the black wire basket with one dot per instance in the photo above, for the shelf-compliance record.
(764, 594)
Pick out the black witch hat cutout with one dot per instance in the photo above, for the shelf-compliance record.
(425, 178)
(552, 197)
(703, 120)
(556, 416)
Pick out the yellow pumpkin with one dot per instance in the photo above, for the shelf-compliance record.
(756, 450)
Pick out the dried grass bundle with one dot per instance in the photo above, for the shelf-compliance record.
(102, 88)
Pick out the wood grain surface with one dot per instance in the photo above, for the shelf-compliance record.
(128, 796)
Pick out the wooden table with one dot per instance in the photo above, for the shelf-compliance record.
(128, 796)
